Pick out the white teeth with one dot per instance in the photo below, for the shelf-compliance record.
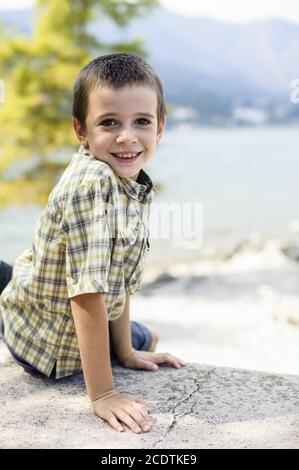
(126, 155)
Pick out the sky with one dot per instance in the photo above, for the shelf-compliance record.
(225, 10)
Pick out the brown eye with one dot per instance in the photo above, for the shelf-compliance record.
(143, 121)
(107, 122)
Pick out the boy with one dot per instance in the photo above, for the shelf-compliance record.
(90, 242)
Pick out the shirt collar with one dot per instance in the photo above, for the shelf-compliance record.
(136, 189)
(142, 186)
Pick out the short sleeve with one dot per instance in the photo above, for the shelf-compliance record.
(87, 250)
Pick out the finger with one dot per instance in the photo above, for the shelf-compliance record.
(147, 365)
(183, 363)
(115, 424)
(125, 417)
(142, 406)
(140, 419)
(179, 362)
(150, 365)
(168, 358)
(144, 411)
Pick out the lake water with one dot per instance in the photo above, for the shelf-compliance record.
(246, 178)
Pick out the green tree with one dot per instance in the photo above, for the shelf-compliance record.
(38, 72)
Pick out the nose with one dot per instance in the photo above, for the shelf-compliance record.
(126, 136)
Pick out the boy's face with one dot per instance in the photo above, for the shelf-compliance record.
(122, 121)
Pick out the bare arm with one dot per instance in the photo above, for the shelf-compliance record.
(91, 323)
(121, 333)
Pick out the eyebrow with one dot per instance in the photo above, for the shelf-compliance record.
(101, 116)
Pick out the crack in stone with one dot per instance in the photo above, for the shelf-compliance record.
(176, 416)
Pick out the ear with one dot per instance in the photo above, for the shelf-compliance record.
(160, 130)
(80, 132)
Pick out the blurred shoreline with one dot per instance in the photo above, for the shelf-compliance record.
(234, 308)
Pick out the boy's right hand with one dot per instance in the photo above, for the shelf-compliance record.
(114, 407)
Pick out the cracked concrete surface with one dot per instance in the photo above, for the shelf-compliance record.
(197, 406)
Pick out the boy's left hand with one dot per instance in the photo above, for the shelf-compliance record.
(150, 360)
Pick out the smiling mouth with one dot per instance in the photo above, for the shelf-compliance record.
(129, 159)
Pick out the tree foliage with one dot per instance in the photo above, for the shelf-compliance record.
(39, 73)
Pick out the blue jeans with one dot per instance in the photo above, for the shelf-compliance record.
(141, 335)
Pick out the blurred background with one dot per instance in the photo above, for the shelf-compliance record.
(231, 76)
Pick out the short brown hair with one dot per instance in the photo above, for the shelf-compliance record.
(116, 71)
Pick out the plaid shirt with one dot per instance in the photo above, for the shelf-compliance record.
(92, 236)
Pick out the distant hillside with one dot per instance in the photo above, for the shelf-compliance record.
(21, 20)
(211, 66)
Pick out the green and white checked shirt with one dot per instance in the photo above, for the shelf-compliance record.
(92, 236)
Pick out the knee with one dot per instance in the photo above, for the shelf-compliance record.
(155, 336)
